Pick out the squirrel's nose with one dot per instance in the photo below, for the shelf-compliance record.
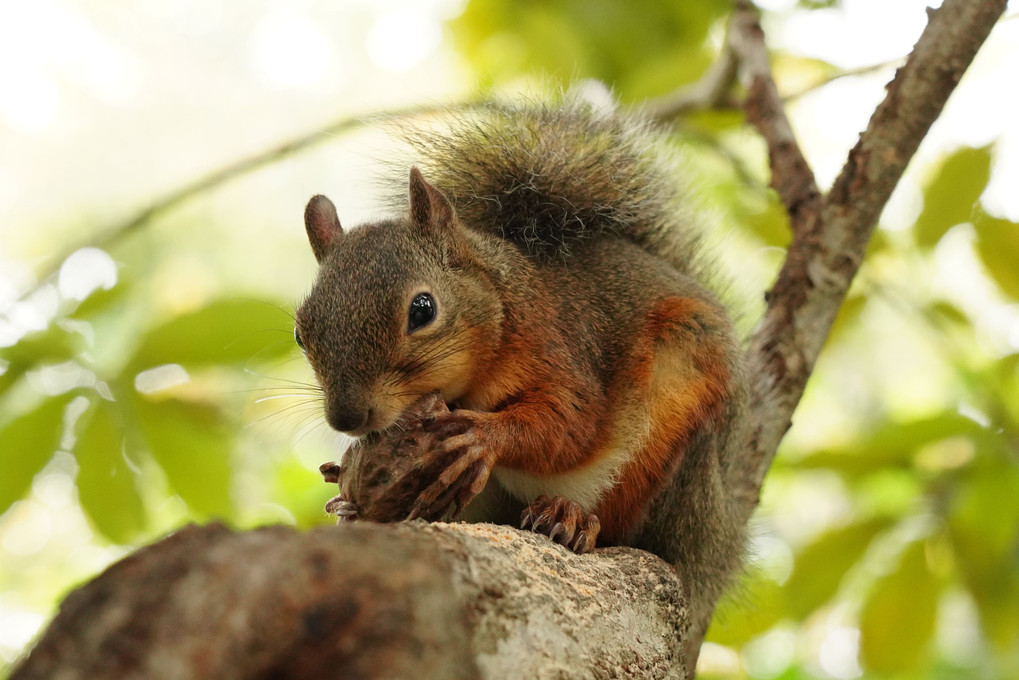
(348, 419)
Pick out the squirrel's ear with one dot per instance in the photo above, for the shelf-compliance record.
(428, 207)
(322, 224)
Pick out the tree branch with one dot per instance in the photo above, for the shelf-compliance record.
(830, 233)
(369, 601)
(791, 176)
(712, 91)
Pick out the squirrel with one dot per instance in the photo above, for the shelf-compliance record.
(546, 278)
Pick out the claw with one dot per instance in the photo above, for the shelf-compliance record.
(563, 521)
(586, 537)
(341, 507)
(580, 544)
(459, 482)
(541, 524)
(415, 512)
(343, 510)
(442, 506)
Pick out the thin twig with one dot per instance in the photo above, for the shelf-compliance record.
(712, 91)
(791, 176)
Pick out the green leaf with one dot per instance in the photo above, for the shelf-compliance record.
(29, 441)
(107, 486)
(982, 521)
(51, 346)
(702, 127)
(892, 444)
(101, 300)
(898, 618)
(948, 313)
(949, 198)
(771, 225)
(224, 332)
(191, 442)
(997, 245)
(877, 245)
(821, 566)
(818, 4)
(636, 46)
(1007, 367)
(994, 585)
(1003, 376)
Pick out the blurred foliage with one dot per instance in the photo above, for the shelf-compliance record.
(819, 4)
(952, 195)
(643, 47)
(116, 428)
(151, 401)
(933, 499)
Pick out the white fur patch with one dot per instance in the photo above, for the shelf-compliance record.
(585, 486)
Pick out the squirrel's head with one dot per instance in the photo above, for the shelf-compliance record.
(401, 308)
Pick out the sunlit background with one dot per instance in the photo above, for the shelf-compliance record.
(153, 381)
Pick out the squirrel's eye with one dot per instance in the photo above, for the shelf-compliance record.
(422, 311)
(297, 338)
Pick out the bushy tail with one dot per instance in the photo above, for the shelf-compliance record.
(548, 175)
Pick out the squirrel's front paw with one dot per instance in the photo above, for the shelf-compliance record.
(466, 456)
(344, 510)
(563, 521)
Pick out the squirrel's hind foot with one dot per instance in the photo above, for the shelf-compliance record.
(563, 521)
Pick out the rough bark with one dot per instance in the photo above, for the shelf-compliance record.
(366, 600)
(456, 601)
(830, 232)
